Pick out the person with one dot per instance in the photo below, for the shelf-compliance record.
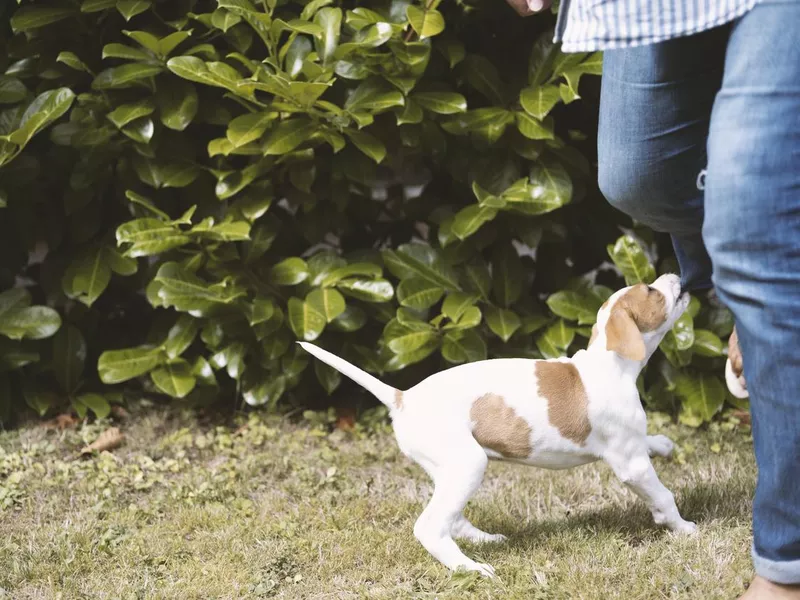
(699, 137)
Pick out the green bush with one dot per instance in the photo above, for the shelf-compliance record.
(189, 186)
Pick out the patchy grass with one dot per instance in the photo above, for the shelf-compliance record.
(273, 510)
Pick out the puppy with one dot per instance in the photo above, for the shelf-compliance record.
(554, 414)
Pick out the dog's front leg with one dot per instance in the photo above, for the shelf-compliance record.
(636, 471)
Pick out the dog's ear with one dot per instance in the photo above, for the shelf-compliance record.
(623, 336)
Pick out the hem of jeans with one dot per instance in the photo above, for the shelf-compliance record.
(777, 571)
(702, 286)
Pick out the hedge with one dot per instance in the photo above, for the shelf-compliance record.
(189, 186)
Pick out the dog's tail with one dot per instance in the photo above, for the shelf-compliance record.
(390, 396)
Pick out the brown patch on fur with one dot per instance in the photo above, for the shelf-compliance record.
(647, 307)
(567, 404)
(639, 310)
(499, 428)
(398, 399)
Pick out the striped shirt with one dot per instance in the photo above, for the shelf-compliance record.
(590, 25)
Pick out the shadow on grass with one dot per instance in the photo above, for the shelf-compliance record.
(729, 500)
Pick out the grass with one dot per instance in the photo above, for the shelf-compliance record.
(274, 510)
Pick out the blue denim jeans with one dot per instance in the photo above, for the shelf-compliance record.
(727, 100)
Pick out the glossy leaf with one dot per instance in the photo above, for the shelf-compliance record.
(14, 299)
(706, 343)
(248, 127)
(539, 101)
(419, 260)
(167, 44)
(174, 378)
(374, 96)
(290, 271)
(96, 403)
(115, 50)
(147, 236)
(71, 60)
(34, 16)
(125, 113)
(177, 103)
(125, 76)
(369, 290)
(46, 108)
(306, 321)
(213, 73)
(456, 304)
(90, 6)
(288, 135)
(532, 128)
(502, 322)
(443, 103)
(266, 393)
(87, 277)
(368, 144)
(116, 366)
(418, 293)
(575, 306)
(330, 22)
(402, 339)
(328, 302)
(426, 23)
(554, 341)
(328, 377)
(463, 346)
(181, 336)
(703, 395)
(12, 90)
(130, 8)
(468, 220)
(630, 258)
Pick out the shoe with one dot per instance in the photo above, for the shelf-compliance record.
(734, 369)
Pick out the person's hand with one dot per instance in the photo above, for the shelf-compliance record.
(526, 8)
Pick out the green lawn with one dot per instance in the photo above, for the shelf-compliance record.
(269, 509)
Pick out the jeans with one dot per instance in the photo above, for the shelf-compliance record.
(728, 101)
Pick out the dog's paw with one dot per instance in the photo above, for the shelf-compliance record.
(660, 445)
(685, 528)
(481, 537)
(484, 569)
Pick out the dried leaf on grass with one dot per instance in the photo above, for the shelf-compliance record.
(742, 415)
(111, 438)
(346, 419)
(119, 412)
(61, 422)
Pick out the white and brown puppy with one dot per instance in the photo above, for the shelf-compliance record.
(554, 414)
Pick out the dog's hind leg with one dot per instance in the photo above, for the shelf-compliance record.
(457, 475)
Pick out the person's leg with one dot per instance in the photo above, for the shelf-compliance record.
(655, 106)
(752, 232)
